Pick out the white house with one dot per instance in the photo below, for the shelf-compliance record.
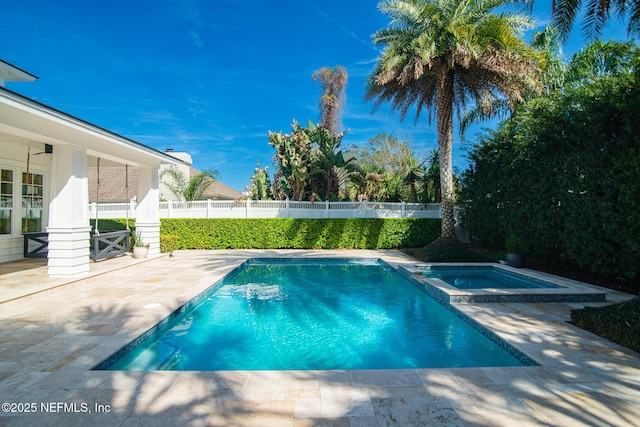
(44, 157)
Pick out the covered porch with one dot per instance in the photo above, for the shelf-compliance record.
(44, 172)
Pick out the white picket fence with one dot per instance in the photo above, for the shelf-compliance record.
(272, 209)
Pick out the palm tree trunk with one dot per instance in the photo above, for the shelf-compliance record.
(445, 144)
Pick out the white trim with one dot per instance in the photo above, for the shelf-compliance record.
(28, 123)
(16, 209)
(68, 251)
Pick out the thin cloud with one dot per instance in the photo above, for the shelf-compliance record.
(86, 107)
(161, 117)
(340, 25)
(189, 11)
(368, 61)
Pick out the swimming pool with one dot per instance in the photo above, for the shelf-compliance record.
(274, 314)
(491, 283)
(480, 277)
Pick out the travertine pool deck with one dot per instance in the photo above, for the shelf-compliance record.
(53, 331)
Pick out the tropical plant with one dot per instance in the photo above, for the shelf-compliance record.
(600, 58)
(137, 240)
(333, 82)
(547, 42)
(260, 188)
(309, 163)
(365, 182)
(385, 160)
(412, 173)
(597, 59)
(441, 54)
(596, 15)
(292, 162)
(187, 189)
(431, 177)
(330, 169)
(392, 188)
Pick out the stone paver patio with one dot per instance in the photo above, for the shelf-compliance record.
(53, 331)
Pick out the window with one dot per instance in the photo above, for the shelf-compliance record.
(6, 200)
(29, 219)
(32, 202)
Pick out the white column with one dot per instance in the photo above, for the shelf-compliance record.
(148, 209)
(68, 225)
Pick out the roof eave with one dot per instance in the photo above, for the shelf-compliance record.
(164, 158)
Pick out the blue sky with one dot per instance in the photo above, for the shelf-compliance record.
(209, 77)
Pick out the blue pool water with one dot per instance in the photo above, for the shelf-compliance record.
(310, 315)
(466, 277)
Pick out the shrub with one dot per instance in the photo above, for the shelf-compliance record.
(562, 173)
(168, 243)
(112, 224)
(288, 233)
(619, 323)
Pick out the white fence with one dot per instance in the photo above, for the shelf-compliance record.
(273, 209)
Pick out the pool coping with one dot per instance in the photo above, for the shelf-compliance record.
(565, 290)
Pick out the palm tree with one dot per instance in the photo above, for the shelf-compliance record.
(547, 42)
(365, 182)
(431, 177)
(188, 189)
(596, 15)
(392, 188)
(412, 172)
(599, 59)
(442, 54)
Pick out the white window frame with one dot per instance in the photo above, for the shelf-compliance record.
(42, 196)
(13, 202)
(16, 209)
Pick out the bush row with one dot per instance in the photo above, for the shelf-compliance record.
(114, 224)
(617, 322)
(288, 233)
(562, 175)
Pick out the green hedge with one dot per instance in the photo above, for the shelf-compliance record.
(114, 224)
(562, 174)
(287, 233)
(617, 322)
